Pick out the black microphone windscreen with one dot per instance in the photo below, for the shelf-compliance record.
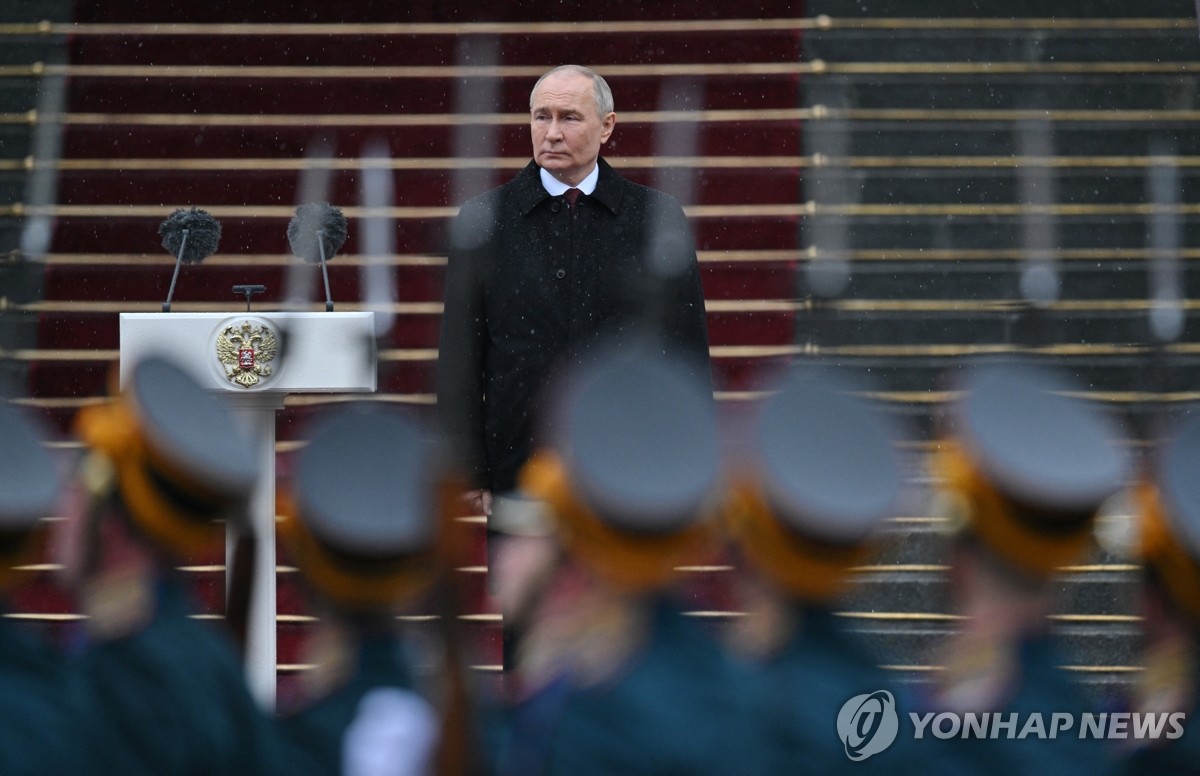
(203, 235)
(311, 218)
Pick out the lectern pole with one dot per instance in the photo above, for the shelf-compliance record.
(257, 414)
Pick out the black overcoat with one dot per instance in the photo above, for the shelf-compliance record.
(531, 287)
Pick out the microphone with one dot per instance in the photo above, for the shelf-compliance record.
(316, 233)
(191, 236)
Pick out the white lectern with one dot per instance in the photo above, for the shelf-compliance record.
(255, 359)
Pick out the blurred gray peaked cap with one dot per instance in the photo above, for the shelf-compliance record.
(192, 430)
(30, 483)
(1037, 441)
(1178, 474)
(827, 457)
(638, 432)
(364, 485)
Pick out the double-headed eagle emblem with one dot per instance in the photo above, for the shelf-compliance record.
(246, 352)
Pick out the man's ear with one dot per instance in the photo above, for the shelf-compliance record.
(607, 125)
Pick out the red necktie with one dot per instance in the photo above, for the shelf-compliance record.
(571, 195)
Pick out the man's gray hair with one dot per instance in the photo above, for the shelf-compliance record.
(600, 90)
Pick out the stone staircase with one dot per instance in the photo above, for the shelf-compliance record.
(224, 116)
(21, 95)
(949, 145)
(797, 138)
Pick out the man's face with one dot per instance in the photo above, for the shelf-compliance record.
(566, 126)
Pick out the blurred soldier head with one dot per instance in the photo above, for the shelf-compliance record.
(629, 470)
(1167, 501)
(168, 458)
(165, 469)
(363, 523)
(627, 474)
(362, 520)
(29, 491)
(1168, 505)
(815, 477)
(1025, 465)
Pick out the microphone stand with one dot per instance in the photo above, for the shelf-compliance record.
(166, 307)
(324, 269)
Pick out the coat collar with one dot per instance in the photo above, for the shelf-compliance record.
(530, 192)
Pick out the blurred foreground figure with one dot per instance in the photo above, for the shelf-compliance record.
(1025, 466)
(38, 732)
(1168, 506)
(608, 676)
(165, 468)
(815, 477)
(363, 528)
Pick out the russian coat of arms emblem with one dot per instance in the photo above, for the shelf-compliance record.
(246, 352)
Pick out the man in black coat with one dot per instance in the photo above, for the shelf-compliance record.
(543, 264)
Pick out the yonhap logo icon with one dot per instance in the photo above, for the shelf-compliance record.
(868, 724)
